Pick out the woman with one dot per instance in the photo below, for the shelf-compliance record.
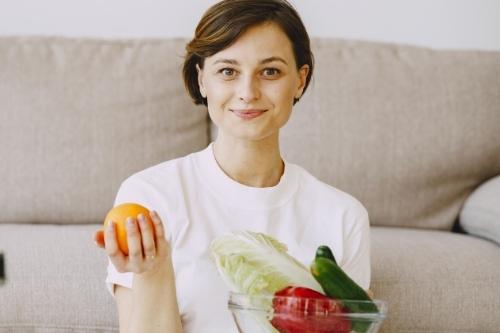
(249, 62)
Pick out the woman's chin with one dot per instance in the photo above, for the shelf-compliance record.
(249, 134)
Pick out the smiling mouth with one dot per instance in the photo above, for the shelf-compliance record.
(248, 113)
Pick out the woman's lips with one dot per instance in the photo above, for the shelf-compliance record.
(248, 113)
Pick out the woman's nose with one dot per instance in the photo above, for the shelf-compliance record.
(249, 90)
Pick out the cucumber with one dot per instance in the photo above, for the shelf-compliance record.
(324, 251)
(338, 285)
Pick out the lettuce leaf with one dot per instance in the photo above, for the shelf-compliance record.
(257, 264)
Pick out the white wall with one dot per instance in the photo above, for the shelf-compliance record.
(434, 23)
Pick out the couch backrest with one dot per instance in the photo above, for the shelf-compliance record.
(408, 131)
(78, 116)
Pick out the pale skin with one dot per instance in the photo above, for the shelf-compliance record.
(151, 304)
(250, 87)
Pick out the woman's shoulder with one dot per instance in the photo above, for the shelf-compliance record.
(327, 194)
(169, 171)
(158, 185)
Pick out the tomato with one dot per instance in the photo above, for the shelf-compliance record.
(301, 310)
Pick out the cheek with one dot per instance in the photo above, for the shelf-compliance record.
(282, 93)
(219, 96)
(217, 91)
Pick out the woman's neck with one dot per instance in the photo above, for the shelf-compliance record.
(251, 163)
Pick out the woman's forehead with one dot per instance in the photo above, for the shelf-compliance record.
(260, 44)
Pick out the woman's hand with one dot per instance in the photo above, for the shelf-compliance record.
(151, 304)
(148, 249)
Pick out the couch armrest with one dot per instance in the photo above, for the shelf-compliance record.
(480, 215)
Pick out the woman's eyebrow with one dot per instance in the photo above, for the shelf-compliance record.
(225, 61)
(271, 59)
(263, 61)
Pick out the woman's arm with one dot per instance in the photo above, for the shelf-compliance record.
(151, 304)
(123, 297)
(138, 312)
(154, 303)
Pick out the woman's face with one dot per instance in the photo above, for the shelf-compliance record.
(250, 86)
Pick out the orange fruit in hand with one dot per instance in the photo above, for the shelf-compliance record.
(119, 215)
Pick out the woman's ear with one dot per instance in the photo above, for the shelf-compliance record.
(200, 81)
(303, 72)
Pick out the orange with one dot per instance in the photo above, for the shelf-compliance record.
(119, 215)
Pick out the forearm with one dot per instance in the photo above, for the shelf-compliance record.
(155, 306)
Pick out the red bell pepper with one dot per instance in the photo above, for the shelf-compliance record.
(303, 310)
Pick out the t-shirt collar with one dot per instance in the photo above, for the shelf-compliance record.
(243, 196)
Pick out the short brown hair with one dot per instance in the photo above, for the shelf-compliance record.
(225, 21)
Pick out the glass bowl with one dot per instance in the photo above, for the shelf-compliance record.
(287, 314)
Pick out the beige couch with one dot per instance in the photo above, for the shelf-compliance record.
(411, 132)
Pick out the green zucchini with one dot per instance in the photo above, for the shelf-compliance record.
(324, 251)
(338, 285)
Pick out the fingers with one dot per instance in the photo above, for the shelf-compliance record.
(148, 238)
(134, 243)
(161, 242)
(158, 225)
(145, 240)
(111, 245)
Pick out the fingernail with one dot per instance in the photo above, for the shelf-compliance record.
(142, 220)
(130, 222)
(111, 225)
(156, 218)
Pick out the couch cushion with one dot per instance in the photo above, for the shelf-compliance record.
(480, 214)
(436, 281)
(55, 281)
(433, 281)
(409, 131)
(79, 116)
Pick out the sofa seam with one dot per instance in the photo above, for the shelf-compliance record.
(61, 327)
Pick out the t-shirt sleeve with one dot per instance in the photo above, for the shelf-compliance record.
(356, 263)
(115, 278)
(141, 188)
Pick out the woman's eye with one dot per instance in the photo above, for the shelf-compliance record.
(271, 71)
(227, 71)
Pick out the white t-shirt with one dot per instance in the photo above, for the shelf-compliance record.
(197, 202)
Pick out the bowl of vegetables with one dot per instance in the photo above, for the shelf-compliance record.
(302, 310)
(272, 292)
